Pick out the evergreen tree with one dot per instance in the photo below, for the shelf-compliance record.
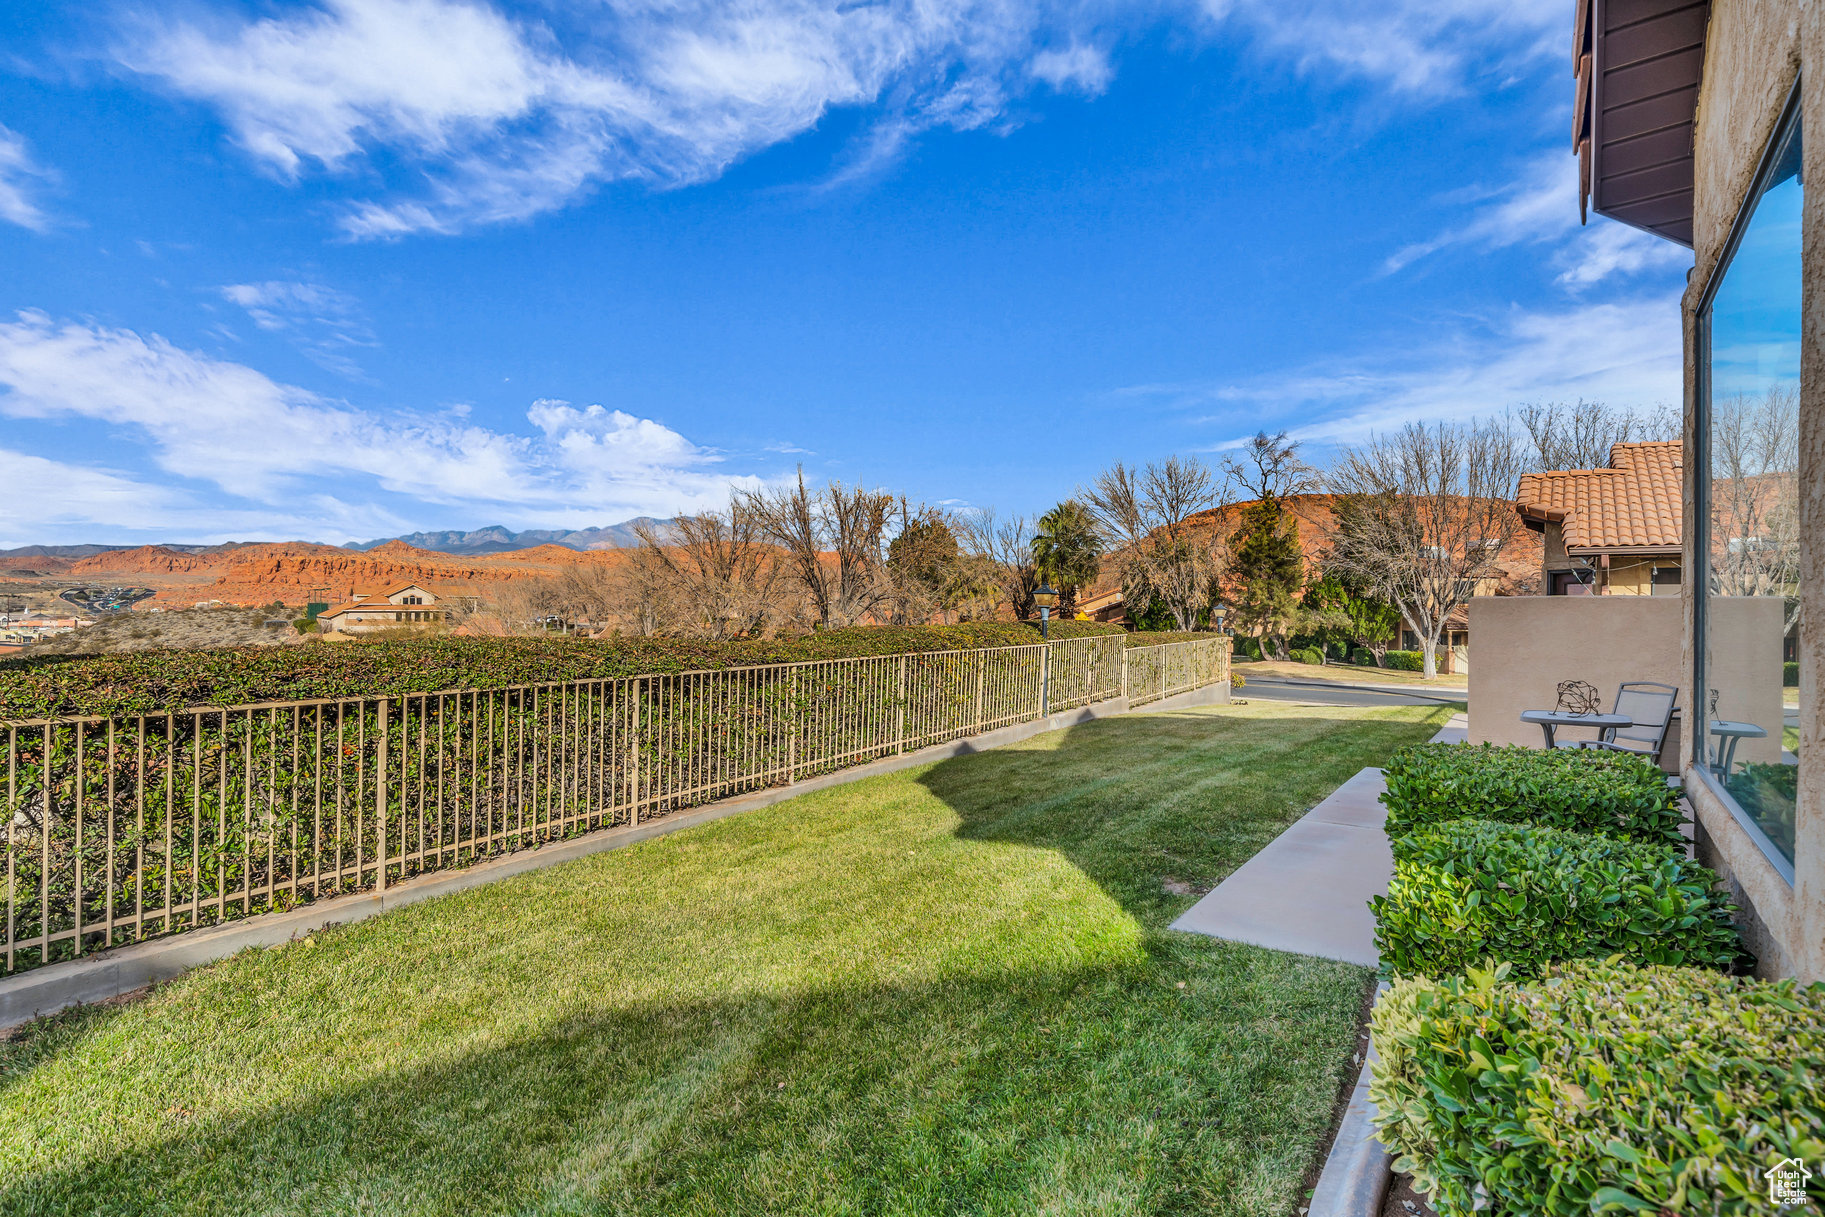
(1267, 573)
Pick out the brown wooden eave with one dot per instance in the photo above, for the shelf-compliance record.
(1638, 65)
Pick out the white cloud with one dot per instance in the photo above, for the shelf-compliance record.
(1541, 205)
(1607, 248)
(485, 119)
(1625, 353)
(1418, 47)
(19, 177)
(327, 325)
(1084, 68)
(506, 122)
(226, 424)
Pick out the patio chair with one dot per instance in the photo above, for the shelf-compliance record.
(1650, 705)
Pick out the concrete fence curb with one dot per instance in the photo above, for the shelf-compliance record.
(119, 970)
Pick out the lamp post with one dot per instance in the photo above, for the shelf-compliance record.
(1222, 612)
(1046, 597)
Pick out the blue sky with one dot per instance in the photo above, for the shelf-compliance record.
(344, 269)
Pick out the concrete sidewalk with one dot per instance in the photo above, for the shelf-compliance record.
(1308, 891)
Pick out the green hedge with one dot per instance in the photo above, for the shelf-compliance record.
(146, 681)
(1308, 655)
(1473, 890)
(1363, 658)
(1584, 790)
(1155, 638)
(1605, 1088)
(1407, 661)
(1790, 675)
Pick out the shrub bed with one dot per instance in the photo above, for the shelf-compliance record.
(1308, 655)
(1579, 789)
(1407, 661)
(1473, 890)
(1790, 675)
(1363, 658)
(145, 681)
(1602, 1088)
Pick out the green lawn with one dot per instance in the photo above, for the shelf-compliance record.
(1349, 673)
(948, 990)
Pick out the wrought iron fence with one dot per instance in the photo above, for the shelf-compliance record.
(123, 828)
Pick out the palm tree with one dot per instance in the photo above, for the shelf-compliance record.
(1067, 551)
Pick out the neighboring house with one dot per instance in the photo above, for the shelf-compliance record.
(1610, 532)
(32, 627)
(406, 607)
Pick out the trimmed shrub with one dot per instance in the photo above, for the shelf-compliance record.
(1790, 675)
(1473, 890)
(1407, 661)
(1154, 638)
(1603, 1088)
(1308, 655)
(1248, 648)
(148, 681)
(1580, 789)
(1363, 658)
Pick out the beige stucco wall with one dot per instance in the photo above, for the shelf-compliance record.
(1526, 645)
(1754, 51)
(1743, 664)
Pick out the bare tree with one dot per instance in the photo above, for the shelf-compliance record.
(1755, 516)
(1002, 552)
(834, 541)
(1146, 518)
(1427, 510)
(1269, 467)
(1579, 435)
(718, 578)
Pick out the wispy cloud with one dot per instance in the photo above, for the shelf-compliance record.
(507, 119)
(225, 424)
(326, 324)
(481, 118)
(1417, 47)
(1626, 353)
(1080, 67)
(20, 178)
(1540, 205)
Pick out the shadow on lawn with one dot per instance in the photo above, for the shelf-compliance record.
(1183, 797)
(1182, 1080)
(1013, 1095)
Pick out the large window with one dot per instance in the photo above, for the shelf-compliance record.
(1749, 504)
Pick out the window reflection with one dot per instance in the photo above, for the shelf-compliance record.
(1750, 534)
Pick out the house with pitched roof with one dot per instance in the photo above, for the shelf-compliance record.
(1612, 531)
(407, 606)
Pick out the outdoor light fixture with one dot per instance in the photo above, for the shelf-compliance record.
(1046, 597)
(1222, 612)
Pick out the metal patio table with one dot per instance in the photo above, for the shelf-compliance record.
(1729, 733)
(1549, 721)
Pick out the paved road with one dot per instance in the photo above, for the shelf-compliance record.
(1274, 688)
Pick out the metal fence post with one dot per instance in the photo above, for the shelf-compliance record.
(633, 756)
(380, 801)
(900, 711)
(792, 738)
(1045, 680)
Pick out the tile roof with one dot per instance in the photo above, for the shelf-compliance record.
(1634, 504)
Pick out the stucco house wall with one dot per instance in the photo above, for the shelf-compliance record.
(1754, 52)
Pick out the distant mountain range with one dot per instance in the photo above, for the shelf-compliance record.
(496, 539)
